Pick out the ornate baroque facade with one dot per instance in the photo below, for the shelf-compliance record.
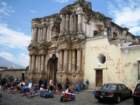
(59, 42)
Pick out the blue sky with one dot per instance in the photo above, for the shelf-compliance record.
(16, 16)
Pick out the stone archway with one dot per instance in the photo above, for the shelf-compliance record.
(52, 68)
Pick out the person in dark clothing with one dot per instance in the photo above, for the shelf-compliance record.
(59, 85)
(40, 83)
(45, 84)
(67, 83)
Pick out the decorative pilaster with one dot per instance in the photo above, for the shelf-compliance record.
(36, 65)
(60, 62)
(38, 36)
(78, 60)
(49, 32)
(62, 25)
(73, 61)
(44, 34)
(71, 24)
(65, 66)
(39, 64)
(46, 63)
(69, 61)
(42, 62)
(34, 34)
(30, 65)
(41, 34)
(79, 23)
(67, 24)
(33, 63)
(75, 23)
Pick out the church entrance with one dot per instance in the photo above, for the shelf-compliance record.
(52, 68)
(99, 77)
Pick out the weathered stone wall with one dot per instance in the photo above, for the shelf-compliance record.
(120, 66)
(14, 73)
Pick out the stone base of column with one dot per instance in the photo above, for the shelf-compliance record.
(73, 77)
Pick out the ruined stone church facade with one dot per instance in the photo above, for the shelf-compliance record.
(80, 44)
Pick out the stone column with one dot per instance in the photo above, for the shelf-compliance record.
(62, 26)
(73, 61)
(65, 65)
(30, 64)
(46, 62)
(48, 33)
(39, 63)
(60, 61)
(71, 24)
(79, 23)
(69, 61)
(44, 34)
(36, 64)
(75, 23)
(84, 25)
(38, 36)
(34, 34)
(67, 24)
(33, 63)
(41, 34)
(79, 60)
(42, 62)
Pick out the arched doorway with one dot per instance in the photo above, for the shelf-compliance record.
(52, 68)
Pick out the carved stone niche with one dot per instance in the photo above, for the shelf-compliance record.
(43, 48)
(33, 52)
(33, 49)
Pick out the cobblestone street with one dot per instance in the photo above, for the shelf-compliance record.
(84, 98)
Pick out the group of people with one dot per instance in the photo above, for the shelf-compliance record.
(44, 88)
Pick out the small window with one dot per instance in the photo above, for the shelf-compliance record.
(102, 58)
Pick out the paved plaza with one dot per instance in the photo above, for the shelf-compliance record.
(83, 98)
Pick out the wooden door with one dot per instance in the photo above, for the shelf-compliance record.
(99, 77)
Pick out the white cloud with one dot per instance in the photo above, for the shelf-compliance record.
(20, 59)
(12, 38)
(23, 59)
(7, 55)
(126, 13)
(5, 9)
